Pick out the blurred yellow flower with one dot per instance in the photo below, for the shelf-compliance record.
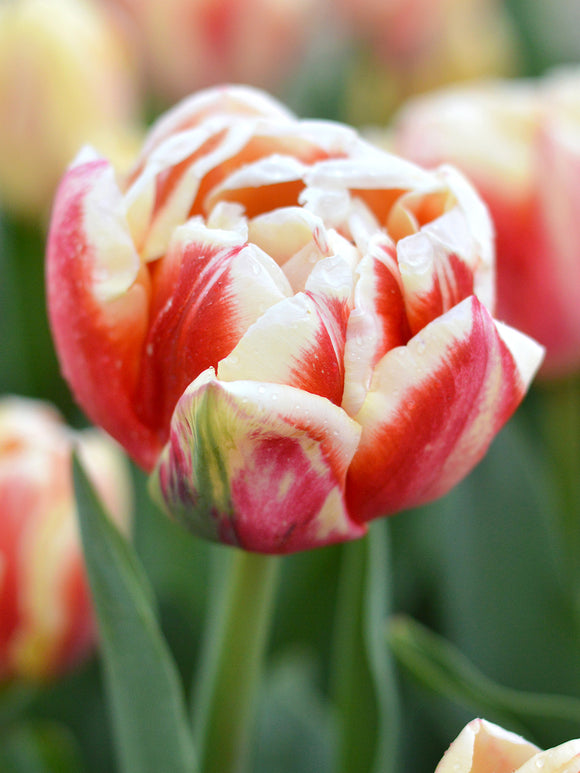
(65, 79)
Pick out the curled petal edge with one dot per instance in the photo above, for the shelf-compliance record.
(258, 465)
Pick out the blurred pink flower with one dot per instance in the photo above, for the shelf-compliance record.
(519, 143)
(188, 44)
(46, 620)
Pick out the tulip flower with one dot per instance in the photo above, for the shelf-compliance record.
(483, 747)
(65, 80)
(185, 45)
(292, 328)
(519, 142)
(46, 619)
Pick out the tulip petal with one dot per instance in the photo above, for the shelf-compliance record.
(295, 238)
(230, 101)
(377, 323)
(483, 747)
(206, 292)
(299, 341)
(561, 759)
(433, 408)
(261, 466)
(437, 268)
(98, 299)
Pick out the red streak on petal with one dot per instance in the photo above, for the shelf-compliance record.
(194, 325)
(276, 497)
(18, 499)
(404, 463)
(390, 309)
(321, 367)
(98, 344)
(169, 179)
(458, 282)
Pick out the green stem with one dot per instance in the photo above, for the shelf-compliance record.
(363, 680)
(561, 413)
(231, 662)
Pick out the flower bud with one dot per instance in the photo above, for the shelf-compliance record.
(46, 619)
(292, 328)
(483, 747)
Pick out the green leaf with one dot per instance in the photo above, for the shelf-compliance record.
(363, 676)
(149, 713)
(441, 667)
(39, 747)
(294, 728)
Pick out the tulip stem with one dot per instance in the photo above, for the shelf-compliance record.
(231, 660)
(363, 675)
(561, 404)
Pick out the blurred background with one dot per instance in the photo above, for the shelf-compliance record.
(493, 567)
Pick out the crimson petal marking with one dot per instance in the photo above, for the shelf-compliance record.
(207, 291)
(299, 341)
(378, 322)
(433, 408)
(98, 315)
(258, 465)
(229, 101)
(438, 266)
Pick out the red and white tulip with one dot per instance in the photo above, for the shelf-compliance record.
(290, 327)
(46, 618)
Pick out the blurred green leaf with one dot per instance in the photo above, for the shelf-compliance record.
(39, 747)
(363, 675)
(441, 667)
(294, 733)
(149, 713)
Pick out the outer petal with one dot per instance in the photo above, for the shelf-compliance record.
(209, 288)
(98, 299)
(261, 466)
(483, 747)
(433, 408)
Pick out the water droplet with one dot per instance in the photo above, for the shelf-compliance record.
(540, 762)
(261, 390)
(421, 346)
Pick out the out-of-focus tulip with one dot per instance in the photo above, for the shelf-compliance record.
(189, 44)
(519, 142)
(46, 619)
(291, 325)
(413, 46)
(65, 80)
(483, 747)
